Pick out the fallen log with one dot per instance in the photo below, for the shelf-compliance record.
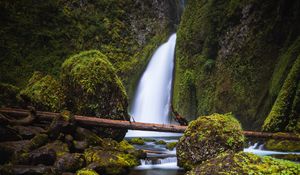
(93, 121)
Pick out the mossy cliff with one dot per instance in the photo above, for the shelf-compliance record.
(39, 36)
(235, 56)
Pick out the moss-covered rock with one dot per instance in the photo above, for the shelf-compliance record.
(86, 171)
(137, 141)
(8, 95)
(109, 162)
(171, 145)
(282, 145)
(207, 137)
(245, 163)
(44, 93)
(69, 162)
(93, 88)
(160, 142)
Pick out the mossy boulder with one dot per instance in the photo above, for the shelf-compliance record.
(171, 145)
(93, 88)
(86, 171)
(44, 93)
(160, 142)
(137, 141)
(69, 162)
(282, 145)
(208, 136)
(245, 163)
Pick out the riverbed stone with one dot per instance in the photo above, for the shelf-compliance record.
(69, 162)
(93, 89)
(207, 137)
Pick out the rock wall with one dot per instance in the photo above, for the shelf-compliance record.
(233, 56)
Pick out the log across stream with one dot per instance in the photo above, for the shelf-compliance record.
(93, 121)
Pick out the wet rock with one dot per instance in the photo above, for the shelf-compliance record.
(10, 169)
(9, 150)
(207, 137)
(160, 142)
(9, 134)
(88, 136)
(28, 132)
(69, 162)
(171, 145)
(80, 145)
(137, 141)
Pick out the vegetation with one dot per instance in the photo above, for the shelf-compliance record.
(282, 145)
(137, 141)
(226, 53)
(214, 134)
(171, 145)
(245, 163)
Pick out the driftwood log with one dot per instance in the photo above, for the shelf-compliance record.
(93, 121)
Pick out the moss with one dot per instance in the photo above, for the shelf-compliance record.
(214, 134)
(282, 145)
(171, 145)
(231, 62)
(44, 92)
(86, 171)
(160, 142)
(8, 95)
(245, 163)
(93, 88)
(280, 114)
(137, 141)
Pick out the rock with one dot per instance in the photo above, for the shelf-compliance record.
(69, 162)
(112, 157)
(137, 141)
(160, 142)
(44, 93)
(28, 132)
(38, 141)
(80, 145)
(9, 150)
(27, 170)
(9, 134)
(291, 157)
(282, 145)
(171, 145)
(36, 157)
(86, 171)
(245, 163)
(93, 89)
(64, 123)
(208, 136)
(90, 137)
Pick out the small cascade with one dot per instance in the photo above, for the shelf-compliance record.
(152, 99)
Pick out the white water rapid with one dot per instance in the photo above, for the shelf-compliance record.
(152, 99)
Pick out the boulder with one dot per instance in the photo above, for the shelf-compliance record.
(93, 88)
(44, 93)
(208, 136)
(86, 171)
(69, 162)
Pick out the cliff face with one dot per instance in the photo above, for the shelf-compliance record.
(40, 35)
(234, 56)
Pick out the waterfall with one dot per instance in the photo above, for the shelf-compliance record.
(152, 99)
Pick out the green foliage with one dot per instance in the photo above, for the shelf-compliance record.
(280, 114)
(214, 134)
(44, 92)
(245, 163)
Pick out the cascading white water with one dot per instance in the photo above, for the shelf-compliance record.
(152, 98)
